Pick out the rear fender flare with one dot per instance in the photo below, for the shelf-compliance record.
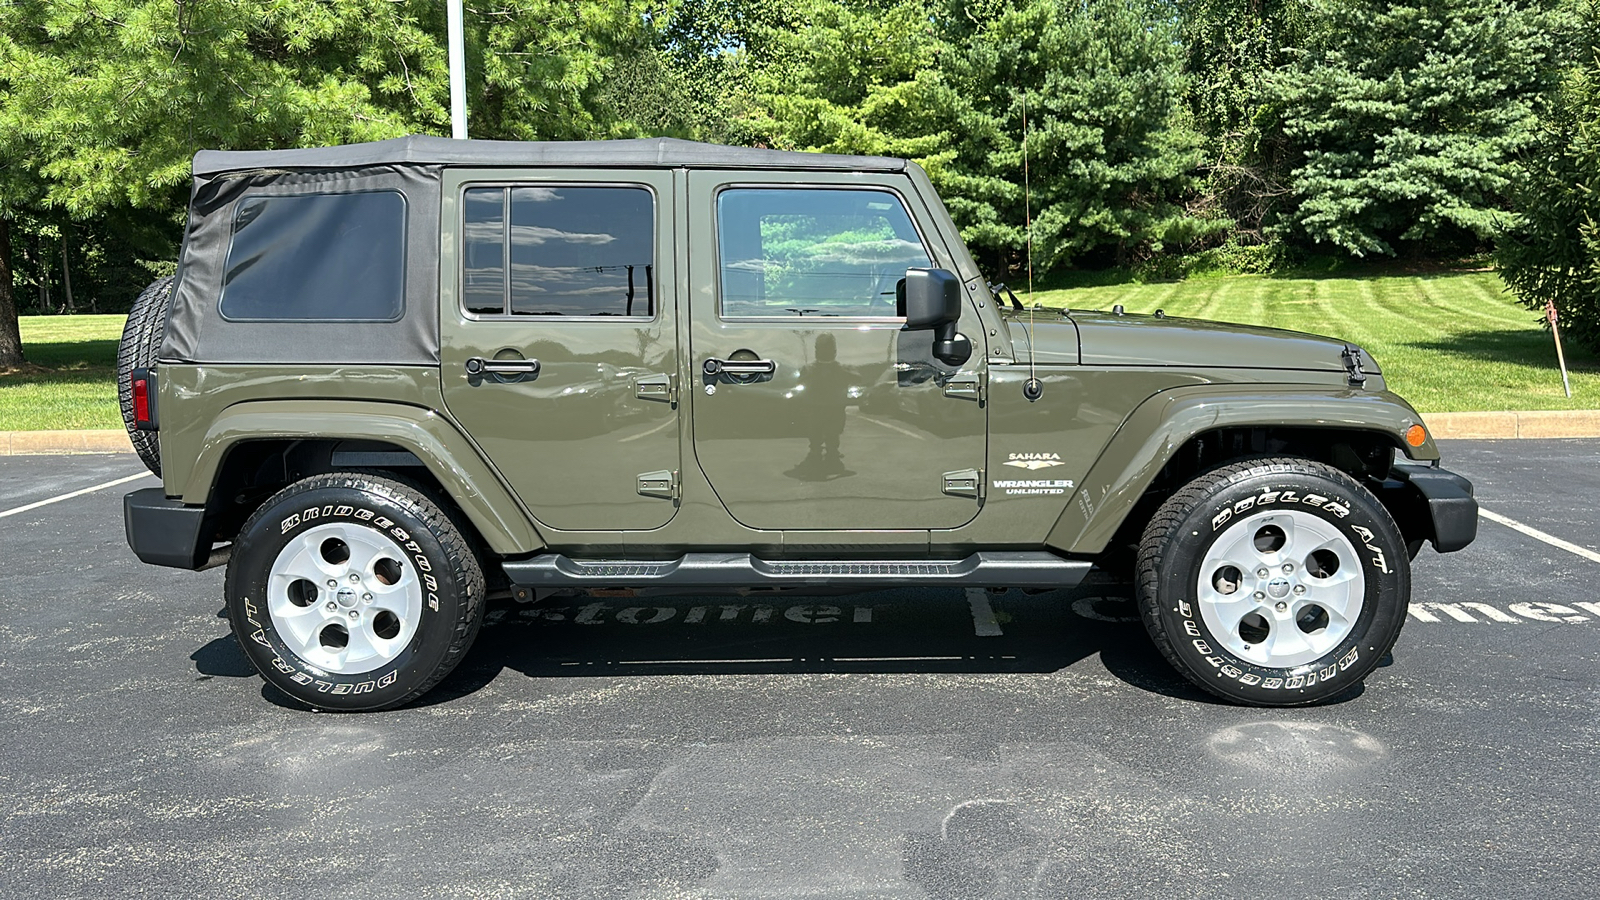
(452, 459)
(1156, 429)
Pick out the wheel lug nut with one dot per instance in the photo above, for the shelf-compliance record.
(1288, 567)
(1261, 572)
(1260, 595)
(1299, 589)
(355, 577)
(333, 583)
(367, 598)
(355, 614)
(1282, 606)
(332, 605)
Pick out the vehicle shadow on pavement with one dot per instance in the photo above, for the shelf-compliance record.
(890, 632)
(886, 632)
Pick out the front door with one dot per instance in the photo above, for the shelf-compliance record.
(559, 333)
(812, 408)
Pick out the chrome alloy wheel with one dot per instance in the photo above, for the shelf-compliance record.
(1281, 589)
(344, 598)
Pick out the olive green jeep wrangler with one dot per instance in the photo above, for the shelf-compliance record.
(390, 380)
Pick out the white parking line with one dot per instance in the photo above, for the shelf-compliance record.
(1538, 535)
(87, 490)
(983, 620)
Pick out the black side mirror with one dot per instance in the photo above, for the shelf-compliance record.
(930, 299)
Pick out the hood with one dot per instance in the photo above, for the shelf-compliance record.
(1107, 339)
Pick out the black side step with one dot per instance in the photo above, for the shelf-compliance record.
(723, 570)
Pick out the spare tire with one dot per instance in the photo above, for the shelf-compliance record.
(141, 343)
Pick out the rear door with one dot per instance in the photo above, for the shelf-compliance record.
(825, 414)
(559, 338)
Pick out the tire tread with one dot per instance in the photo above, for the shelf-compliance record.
(1159, 533)
(465, 566)
(138, 349)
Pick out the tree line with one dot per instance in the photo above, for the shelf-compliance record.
(1170, 135)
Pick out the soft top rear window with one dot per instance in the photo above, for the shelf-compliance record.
(317, 257)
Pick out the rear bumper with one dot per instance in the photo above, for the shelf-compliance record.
(166, 532)
(1431, 503)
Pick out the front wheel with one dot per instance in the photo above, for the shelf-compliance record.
(1274, 582)
(353, 592)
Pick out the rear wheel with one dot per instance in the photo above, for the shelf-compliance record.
(353, 592)
(141, 344)
(1274, 582)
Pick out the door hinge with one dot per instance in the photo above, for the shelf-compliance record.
(663, 484)
(966, 385)
(965, 483)
(656, 387)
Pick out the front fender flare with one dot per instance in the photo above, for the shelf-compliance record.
(1159, 426)
(449, 456)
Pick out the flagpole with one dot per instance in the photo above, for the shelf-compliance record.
(458, 73)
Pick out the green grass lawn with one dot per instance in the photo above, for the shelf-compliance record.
(1451, 342)
(1446, 342)
(77, 387)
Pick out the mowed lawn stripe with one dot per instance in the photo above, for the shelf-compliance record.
(1448, 343)
(73, 380)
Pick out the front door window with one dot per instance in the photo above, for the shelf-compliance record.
(798, 252)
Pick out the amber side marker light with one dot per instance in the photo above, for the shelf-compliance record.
(1416, 435)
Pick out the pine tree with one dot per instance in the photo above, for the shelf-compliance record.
(1109, 157)
(946, 84)
(1552, 253)
(1407, 117)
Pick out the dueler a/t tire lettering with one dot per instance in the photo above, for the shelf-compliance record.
(1274, 582)
(352, 592)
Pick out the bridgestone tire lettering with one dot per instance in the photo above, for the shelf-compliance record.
(446, 569)
(1175, 543)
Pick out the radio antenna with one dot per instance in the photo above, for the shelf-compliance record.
(1033, 389)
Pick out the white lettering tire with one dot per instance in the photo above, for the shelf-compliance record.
(353, 592)
(1274, 582)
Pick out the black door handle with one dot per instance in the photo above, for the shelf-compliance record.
(480, 366)
(714, 367)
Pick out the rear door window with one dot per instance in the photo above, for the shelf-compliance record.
(569, 251)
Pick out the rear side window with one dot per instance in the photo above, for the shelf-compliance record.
(568, 251)
(318, 257)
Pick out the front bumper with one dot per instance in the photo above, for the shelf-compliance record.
(166, 532)
(1431, 503)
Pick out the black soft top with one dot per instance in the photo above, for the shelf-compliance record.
(423, 150)
(197, 331)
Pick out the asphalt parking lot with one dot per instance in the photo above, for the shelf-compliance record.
(886, 745)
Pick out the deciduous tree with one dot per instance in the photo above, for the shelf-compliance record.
(104, 102)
